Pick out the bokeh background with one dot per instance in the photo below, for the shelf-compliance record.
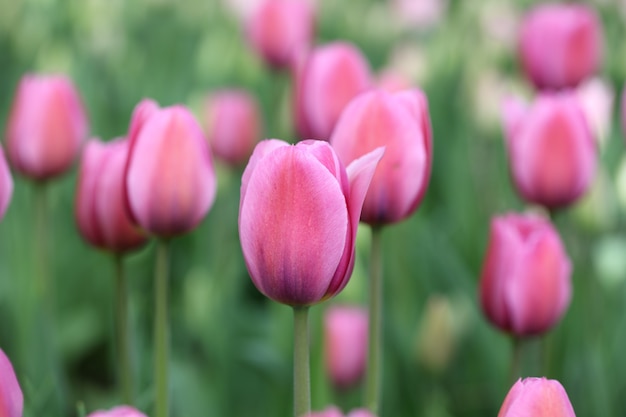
(231, 349)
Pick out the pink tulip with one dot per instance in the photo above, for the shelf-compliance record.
(560, 45)
(537, 397)
(170, 181)
(525, 286)
(401, 123)
(325, 81)
(233, 125)
(11, 399)
(298, 217)
(101, 212)
(346, 330)
(360, 412)
(6, 185)
(46, 126)
(551, 149)
(278, 29)
(119, 411)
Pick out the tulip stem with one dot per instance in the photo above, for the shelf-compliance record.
(41, 223)
(516, 359)
(161, 331)
(124, 363)
(374, 363)
(301, 366)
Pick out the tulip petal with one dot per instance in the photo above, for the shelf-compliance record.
(11, 398)
(263, 149)
(537, 397)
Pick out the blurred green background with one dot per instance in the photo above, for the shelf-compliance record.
(231, 349)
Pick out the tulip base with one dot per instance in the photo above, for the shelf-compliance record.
(374, 364)
(301, 367)
(161, 332)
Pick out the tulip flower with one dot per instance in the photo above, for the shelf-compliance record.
(278, 29)
(526, 280)
(170, 181)
(537, 397)
(233, 125)
(551, 150)
(325, 81)
(6, 185)
(345, 334)
(46, 126)
(11, 398)
(119, 411)
(560, 45)
(401, 123)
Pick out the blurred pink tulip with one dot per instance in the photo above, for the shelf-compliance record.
(101, 212)
(345, 332)
(6, 185)
(11, 398)
(360, 412)
(233, 125)
(278, 29)
(525, 286)
(119, 411)
(560, 44)
(46, 126)
(551, 150)
(537, 397)
(170, 180)
(401, 123)
(327, 79)
(298, 217)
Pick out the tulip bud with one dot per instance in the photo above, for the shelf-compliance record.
(170, 182)
(101, 213)
(233, 125)
(119, 411)
(526, 279)
(401, 123)
(551, 150)
(537, 397)
(325, 81)
(6, 185)
(298, 217)
(278, 29)
(560, 45)
(46, 126)
(11, 399)
(346, 330)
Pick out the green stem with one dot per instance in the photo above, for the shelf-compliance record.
(124, 362)
(374, 363)
(161, 331)
(301, 367)
(516, 359)
(41, 225)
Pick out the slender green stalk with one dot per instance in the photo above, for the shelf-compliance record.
(301, 367)
(375, 349)
(124, 361)
(161, 332)
(41, 242)
(516, 359)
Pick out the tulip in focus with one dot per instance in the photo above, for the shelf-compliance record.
(279, 29)
(11, 398)
(526, 280)
(325, 81)
(346, 331)
(551, 150)
(100, 209)
(401, 123)
(46, 126)
(560, 45)
(233, 125)
(298, 218)
(537, 397)
(6, 185)
(119, 411)
(170, 180)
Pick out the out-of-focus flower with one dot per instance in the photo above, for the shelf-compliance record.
(279, 29)
(11, 398)
(560, 44)
(419, 14)
(101, 213)
(537, 397)
(170, 180)
(333, 411)
(233, 125)
(526, 280)
(6, 185)
(596, 97)
(327, 79)
(46, 126)
(119, 411)
(500, 24)
(345, 332)
(298, 217)
(552, 153)
(401, 123)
